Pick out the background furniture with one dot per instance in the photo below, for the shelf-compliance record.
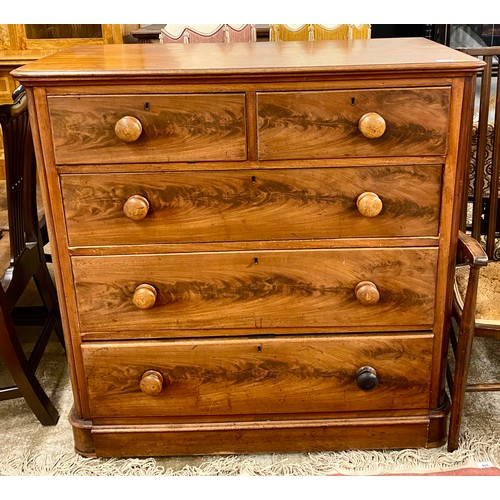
(59, 36)
(255, 246)
(22, 43)
(9, 60)
(469, 35)
(23, 262)
(312, 32)
(479, 206)
(286, 33)
(477, 291)
(215, 33)
(149, 33)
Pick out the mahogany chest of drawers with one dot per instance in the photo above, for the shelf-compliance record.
(253, 243)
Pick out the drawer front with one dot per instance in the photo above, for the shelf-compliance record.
(263, 376)
(256, 290)
(325, 124)
(194, 127)
(252, 205)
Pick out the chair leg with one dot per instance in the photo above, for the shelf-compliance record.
(463, 348)
(462, 359)
(464, 340)
(23, 375)
(48, 294)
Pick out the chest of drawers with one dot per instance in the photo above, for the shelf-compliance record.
(253, 243)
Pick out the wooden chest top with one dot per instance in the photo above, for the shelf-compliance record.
(249, 60)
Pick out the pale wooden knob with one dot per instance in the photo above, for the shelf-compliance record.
(372, 125)
(128, 128)
(144, 296)
(151, 382)
(136, 207)
(367, 293)
(369, 204)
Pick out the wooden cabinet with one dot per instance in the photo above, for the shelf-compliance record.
(254, 246)
(59, 36)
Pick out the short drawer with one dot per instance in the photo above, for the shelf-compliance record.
(252, 205)
(353, 123)
(257, 291)
(160, 128)
(258, 376)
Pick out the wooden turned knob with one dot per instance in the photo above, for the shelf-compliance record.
(367, 293)
(136, 207)
(144, 296)
(128, 128)
(369, 204)
(151, 382)
(371, 125)
(366, 378)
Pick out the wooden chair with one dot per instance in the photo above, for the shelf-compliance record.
(208, 33)
(25, 265)
(313, 32)
(476, 309)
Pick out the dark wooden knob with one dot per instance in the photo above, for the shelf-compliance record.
(366, 378)
(136, 207)
(369, 204)
(367, 293)
(151, 382)
(128, 128)
(372, 125)
(144, 296)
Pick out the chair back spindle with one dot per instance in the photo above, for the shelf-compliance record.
(476, 310)
(482, 183)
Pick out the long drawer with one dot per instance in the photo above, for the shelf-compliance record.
(258, 376)
(256, 290)
(252, 205)
(190, 127)
(353, 123)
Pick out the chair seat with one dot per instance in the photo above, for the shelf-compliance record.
(4, 252)
(488, 295)
(4, 216)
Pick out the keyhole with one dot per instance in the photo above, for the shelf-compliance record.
(253, 179)
(353, 101)
(256, 261)
(146, 106)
